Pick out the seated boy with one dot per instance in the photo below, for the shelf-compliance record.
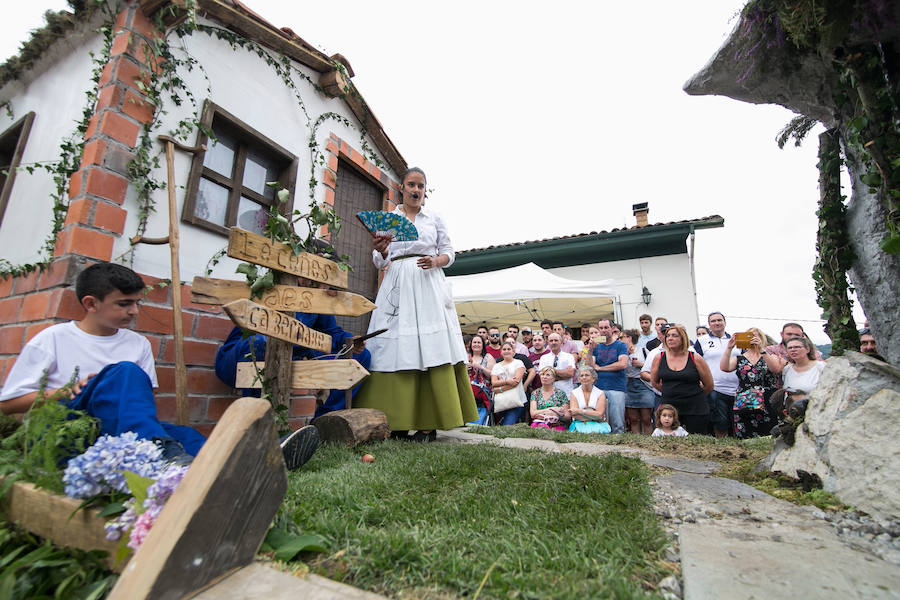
(116, 369)
(237, 347)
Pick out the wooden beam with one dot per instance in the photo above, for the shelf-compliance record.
(260, 319)
(54, 517)
(266, 33)
(338, 374)
(219, 514)
(207, 290)
(260, 250)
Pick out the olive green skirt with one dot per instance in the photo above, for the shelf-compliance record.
(439, 398)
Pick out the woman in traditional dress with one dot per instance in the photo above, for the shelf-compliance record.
(418, 375)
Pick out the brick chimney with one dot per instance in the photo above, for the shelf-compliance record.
(641, 212)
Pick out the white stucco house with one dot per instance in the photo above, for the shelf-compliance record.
(657, 258)
(81, 109)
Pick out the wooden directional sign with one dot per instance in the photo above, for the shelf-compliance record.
(259, 250)
(205, 290)
(339, 374)
(260, 319)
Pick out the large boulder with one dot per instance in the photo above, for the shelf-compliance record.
(849, 437)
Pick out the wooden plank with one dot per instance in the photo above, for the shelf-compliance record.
(257, 318)
(207, 290)
(339, 374)
(260, 250)
(47, 515)
(218, 516)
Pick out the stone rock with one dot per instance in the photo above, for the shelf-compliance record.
(850, 438)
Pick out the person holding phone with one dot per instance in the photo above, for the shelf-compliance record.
(609, 359)
(418, 377)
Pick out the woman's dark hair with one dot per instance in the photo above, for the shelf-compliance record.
(807, 345)
(413, 170)
(102, 278)
(483, 343)
(467, 342)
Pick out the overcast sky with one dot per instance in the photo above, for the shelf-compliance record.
(541, 119)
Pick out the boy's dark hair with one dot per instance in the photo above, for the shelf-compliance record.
(645, 317)
(547, 322)
(102, 278)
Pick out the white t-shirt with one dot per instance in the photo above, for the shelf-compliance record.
(648, 367)
(711, 348)
(565, 361)
(680, 432)
(61, 348)
(794, 381)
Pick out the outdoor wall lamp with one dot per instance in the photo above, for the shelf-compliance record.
(645, 295)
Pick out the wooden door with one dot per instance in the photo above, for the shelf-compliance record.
(353, 194)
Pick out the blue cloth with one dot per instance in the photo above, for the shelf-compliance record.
(237, 347)
(589, 427)
(121, 397)
(721, 407)
(607, 354)
(615, 409)
(509, 417)
(639, 395)
(482, 416)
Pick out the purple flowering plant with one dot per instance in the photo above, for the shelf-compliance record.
(141, 511)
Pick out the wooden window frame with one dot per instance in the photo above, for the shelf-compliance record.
(247, 137)
(24, 126)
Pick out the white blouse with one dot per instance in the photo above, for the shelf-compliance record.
(795, 381)
(433, 240)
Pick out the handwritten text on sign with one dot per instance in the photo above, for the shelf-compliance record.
(260, 319)
(260, 250)
(206, 290)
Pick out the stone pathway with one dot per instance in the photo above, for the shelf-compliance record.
(736, 542)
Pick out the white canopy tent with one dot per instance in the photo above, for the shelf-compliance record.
(525, 295)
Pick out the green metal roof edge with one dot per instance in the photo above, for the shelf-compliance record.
(607, 246)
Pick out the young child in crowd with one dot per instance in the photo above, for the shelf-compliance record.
(116, 369)
(667, 422)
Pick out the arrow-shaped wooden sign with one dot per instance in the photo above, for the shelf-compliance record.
(259, 250)
(340, 374)
(206, 290)
(260, 319)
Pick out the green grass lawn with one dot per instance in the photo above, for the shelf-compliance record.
(438, 520)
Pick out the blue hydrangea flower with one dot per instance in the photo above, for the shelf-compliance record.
(99, 469)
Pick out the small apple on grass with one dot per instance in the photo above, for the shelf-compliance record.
(367, 458)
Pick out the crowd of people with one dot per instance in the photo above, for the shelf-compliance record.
(652, 381)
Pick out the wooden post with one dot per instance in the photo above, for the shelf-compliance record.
(279, 356)
(182, 415)
(182, 410)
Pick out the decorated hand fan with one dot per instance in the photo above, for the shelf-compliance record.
(380, 222)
